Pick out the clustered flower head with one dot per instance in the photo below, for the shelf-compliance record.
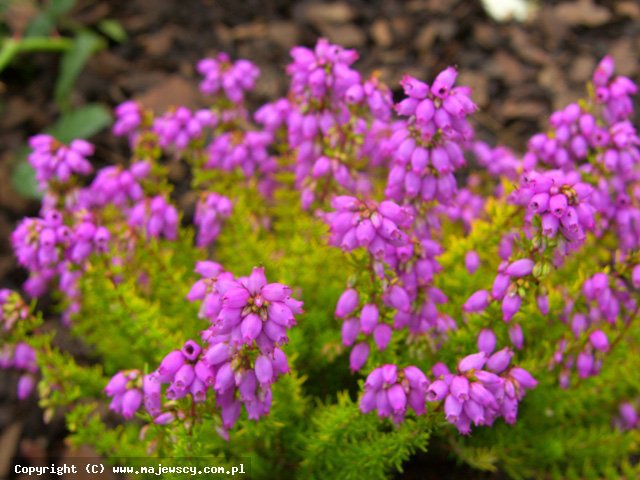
(356, 223)
(244, 339)
(21, 358)
(392, 392)
(53, 160)
(246, 151)
(211, 211)
(179, 127)
(125, 391)
(116, 185)
(242, 357)
(484, 389)
(324, 71)
(614, 93)
(560, 200)
(233, 79)
(428, 146)
(155, 217)
(128, 119)
(335, 122)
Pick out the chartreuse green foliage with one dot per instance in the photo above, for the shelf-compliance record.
(346, 444)
(135, 311)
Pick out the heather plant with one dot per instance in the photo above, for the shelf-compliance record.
(354, 281)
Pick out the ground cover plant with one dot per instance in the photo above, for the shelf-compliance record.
(354, 280)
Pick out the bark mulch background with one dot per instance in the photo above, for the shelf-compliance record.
(519, 72)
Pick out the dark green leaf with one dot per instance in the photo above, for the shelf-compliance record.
(73, 61)
(40, 26)
(24, 179)
(113, 29)
(81, 123)
(57, 8)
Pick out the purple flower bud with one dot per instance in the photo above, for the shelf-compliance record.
(520, 268)
(236, 297)
(459, 387)
(184, 377)
(256, 281)
(416, 401)
(500, 360)
(516, 336)
(578, 324)
(230, 413)
(365, 232)
(251, 327)
(472, 261)
(358, 356)
(443, 82)
(452, 408)
(25, 385)
(347, 303)
(398, 298)
(437, 391)
(439, 369)
(500, 286)
(477, 302)
(350, 331)
(117, 385)
(524, 378)
(510, 306)
(416, 378)
(550, 224)
(539, 203)
(171, 364)
(279, 362)
(218, 353)
(264, 370)
(131, 402)
(599, 340)
(275, 292)
(368, 318)
(482, 395)
(397, 398)
(281, 314)
(164, 418)
(425, 111)
(629, 415)
(558, 205)
(474, 361)
(368, 401)
(191, 350)
(382, 336)
(487, 341)
(224, 378)
(543, 304)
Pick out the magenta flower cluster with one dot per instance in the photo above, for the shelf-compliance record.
(428, 145)
(483, 389)
(241, 359)
(392, 392)
(364, 224)
(223, 76)
(211, 211)
(54, 161)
